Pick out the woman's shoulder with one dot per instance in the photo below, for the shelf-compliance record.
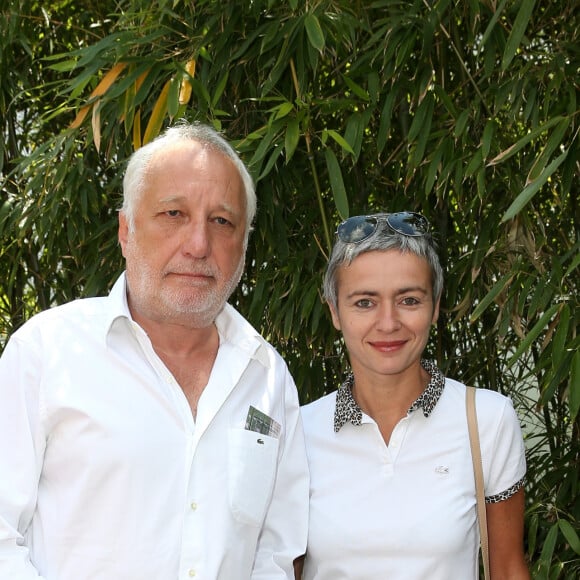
(490, 405)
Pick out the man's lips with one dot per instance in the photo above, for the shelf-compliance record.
(192, 276)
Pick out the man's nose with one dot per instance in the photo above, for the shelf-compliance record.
(196, 241)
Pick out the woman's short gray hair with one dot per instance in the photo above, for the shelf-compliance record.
(135, 173)
(383, 239)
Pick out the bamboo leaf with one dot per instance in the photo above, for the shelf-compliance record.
(288, 321)
(185, 88)
(461, 123)
(96, 125)
(497, 13)
(336, 183)
(356, 88)
(519, 145)
(474, 163)
(385, 122)
(575, 263)
(355, 131)
(137, 130)
(173, 98)
(433, 169)
(314, 31)
(570, 534)
(517, 32)
(340, 140)
(560, 336)
(283, 110)
(574, 393)
(531, 189)
(292, 137)
(490, 297)
(548, 548)
(488, 133)
(553, 142)
(263, 147)
(65, 66)
(537, 329)
(100, 90)
(157, 115)
(221, 87)
(424, 112)
(276, 152)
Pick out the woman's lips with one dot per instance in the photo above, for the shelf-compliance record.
(388, 346)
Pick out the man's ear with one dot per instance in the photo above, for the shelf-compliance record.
(123, 232)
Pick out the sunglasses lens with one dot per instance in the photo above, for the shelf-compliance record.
(356, 229)
(408, 223)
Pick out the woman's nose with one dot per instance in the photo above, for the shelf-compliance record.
(388, 319)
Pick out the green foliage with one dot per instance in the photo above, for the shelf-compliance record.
(465, 111)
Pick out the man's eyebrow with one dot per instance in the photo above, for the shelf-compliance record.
(172, 199)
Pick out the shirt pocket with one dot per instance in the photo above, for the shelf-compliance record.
(252, 465)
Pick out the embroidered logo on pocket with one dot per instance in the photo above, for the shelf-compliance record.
(442, 470)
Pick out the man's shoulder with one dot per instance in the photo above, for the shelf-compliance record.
(64, 316)
(234, 328)
(323, 406)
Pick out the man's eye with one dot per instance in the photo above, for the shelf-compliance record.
(222, 221)
(364, 303)
(173, 213)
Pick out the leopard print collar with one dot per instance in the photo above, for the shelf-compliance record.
(347, 410)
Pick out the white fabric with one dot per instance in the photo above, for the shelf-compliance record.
(407, 510)
(105, 476)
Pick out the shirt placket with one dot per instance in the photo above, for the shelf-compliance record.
(190, 558)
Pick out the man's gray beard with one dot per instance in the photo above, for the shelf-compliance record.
(202, 311)
(176, 307)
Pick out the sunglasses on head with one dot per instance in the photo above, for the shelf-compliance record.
(360, 227)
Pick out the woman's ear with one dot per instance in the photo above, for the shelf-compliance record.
(436, 311)
(335, 317)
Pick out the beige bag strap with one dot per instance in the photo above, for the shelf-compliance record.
(478, 471)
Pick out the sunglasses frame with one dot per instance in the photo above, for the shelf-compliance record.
(396, 221)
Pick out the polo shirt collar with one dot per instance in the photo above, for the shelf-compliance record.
(348, 411)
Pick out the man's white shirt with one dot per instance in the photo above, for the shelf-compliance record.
(105, 475)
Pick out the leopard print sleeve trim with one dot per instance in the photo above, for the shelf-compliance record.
(507, 493)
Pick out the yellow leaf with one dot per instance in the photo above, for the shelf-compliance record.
(137, 130)
(140, 80)
(156, 120)
(185, 89)
(96, 123)
(99, 91)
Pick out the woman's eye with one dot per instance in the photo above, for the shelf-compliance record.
(410, 301)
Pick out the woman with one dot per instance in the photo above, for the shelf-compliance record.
(392, 484)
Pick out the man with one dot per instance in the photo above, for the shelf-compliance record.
(153, 434)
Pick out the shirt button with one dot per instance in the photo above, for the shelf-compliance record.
(193, 506)
(192, 573)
